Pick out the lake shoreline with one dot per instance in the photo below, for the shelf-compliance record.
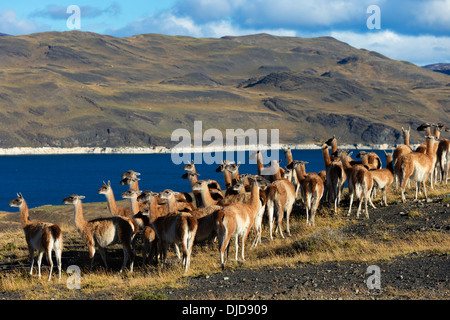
(160, 149)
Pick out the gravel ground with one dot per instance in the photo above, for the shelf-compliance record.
(417, 275)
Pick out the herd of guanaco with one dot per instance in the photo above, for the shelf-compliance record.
(182, 219)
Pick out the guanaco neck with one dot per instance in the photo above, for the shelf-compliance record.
(334, 147)
(346, 163)
(111, 202)
(235, 177)
(430, 147)
(227, 178)
(206, 196)
(79, 220)
(24, 216)
(254, 195)
(389, 163)
(276, 168)
(171, 204)
(300, 170)
(134, 185)
(406, 137)
(134, 204)
(326, 156)
(193, 179)
(437, 133)
(288, 155)
(365, 160)
(259, 163)
(153, 208)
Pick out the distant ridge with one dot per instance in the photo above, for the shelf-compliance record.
(439, 67)
(81, 89)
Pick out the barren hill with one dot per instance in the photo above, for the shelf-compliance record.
(83, 89)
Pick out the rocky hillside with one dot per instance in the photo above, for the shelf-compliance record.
(439, 67)
(75, 89)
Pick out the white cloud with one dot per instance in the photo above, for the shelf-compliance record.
(420, 49)
(11, 25)
(164, 23)
(276, 14)
(435, 14)
(170, 24)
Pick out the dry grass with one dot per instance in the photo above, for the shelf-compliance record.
(322, 243)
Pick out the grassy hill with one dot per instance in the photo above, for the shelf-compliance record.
(83, 89)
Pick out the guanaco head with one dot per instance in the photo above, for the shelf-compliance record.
(131, 193)
(17, 202)
(189, 175)
(190, 167)
(128, 181)
(232, 167)
(406, 130)
(287, 174)
(105, 188)
(361, 154)
(199, 184)
(130, 174)
(167, 194)
(255, 154)
(73, 199)
(146, 196)
(259, 181)
(238, 187)
(330, 141)
(423, 126)
(222, 165)
(296, 163)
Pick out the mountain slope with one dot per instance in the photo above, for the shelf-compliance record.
(439, 67)
(83, 89)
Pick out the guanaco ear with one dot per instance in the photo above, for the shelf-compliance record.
(109, 183)
(81, 197)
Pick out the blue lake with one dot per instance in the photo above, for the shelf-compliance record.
(48, 179)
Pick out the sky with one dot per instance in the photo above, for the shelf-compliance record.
(417, 31)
